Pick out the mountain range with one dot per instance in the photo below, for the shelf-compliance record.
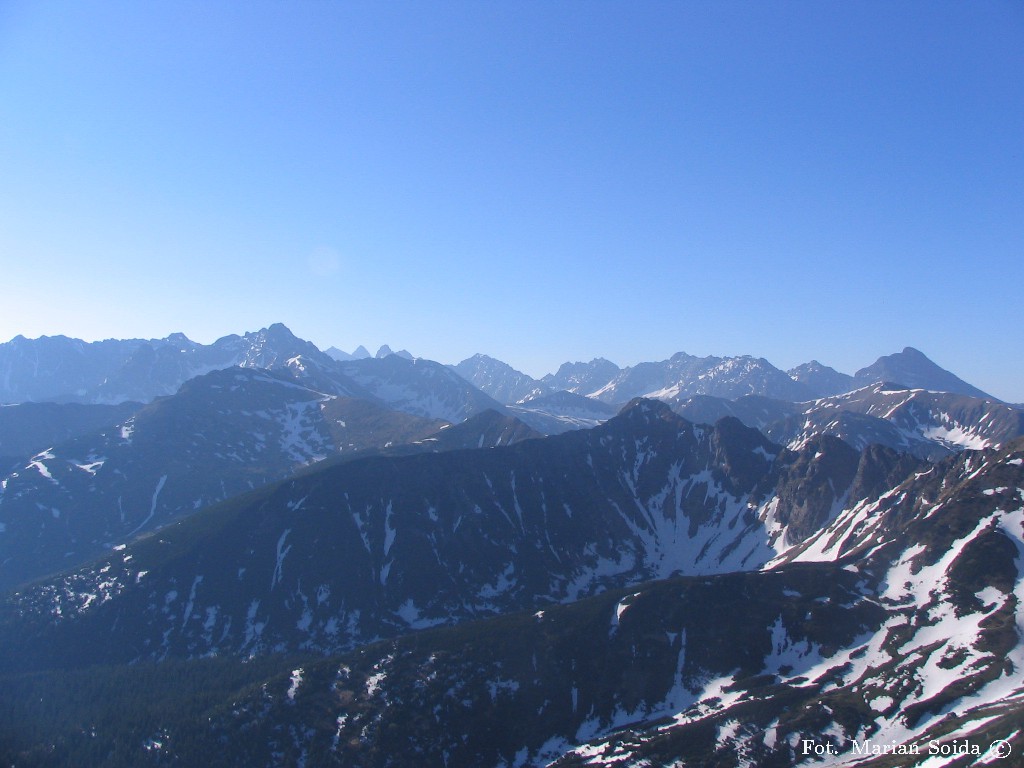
(796, 596)
(300, 558)
(61, 369)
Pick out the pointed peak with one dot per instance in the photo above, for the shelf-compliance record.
(179, 340)
(275, 331)
(279, 329)
(337, 354)
(646, 408)
(914, 369)
(480, 359)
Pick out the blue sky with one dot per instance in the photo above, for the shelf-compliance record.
(541, 182)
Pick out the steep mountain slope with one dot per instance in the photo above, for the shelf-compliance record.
(559, 412)
(421, 387)
(357, 424)
(375, 547)
(487, 429)
(499, 380)
(269, 347)
(928, 424)
(889, 637)
(28, 428)
(914, 370)
(939, 559)
(753, 410)
(223, 433)
(582, 378)
(754, 668)
(318, 373)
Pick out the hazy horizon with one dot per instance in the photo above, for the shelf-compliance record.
(373, 349)
(536, 182)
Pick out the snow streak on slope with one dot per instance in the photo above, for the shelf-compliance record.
(899, 620)
(929, 424)
(944, 667)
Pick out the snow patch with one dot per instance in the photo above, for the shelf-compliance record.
(294, 683)
(282, 552)
(152, 505)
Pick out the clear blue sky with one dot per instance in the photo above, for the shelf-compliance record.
(539, 181)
